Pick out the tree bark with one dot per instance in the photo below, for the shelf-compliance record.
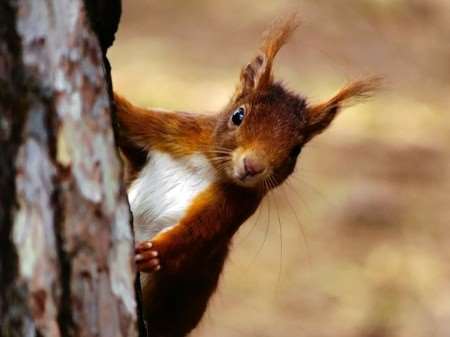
(66, 265)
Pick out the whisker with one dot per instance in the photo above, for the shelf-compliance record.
(222, 166)
(274, 181)
(311, 187)
(280, 267)
(302, 229)
(219, 159)
(220, 148)
(253, 226)
(266, 233)
(266, 184)
(218, 152)
(297, 194)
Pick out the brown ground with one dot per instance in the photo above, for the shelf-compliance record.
(364, 247)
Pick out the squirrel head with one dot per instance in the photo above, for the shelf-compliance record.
(261, 132)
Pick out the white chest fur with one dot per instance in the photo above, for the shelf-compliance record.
(164, 190)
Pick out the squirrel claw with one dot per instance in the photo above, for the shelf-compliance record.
(146, 257)
(148, 266)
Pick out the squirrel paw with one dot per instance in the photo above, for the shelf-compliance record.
(146, 257)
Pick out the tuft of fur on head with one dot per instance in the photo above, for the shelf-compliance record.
(320, 116)
(353, 91)
(257, 74)
(276, 37)
(278, 34)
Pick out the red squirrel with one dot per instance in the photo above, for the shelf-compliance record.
(193, 179)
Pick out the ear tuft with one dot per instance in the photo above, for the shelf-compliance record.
(320, 116)
(356, 90)
(278, 35)
(258, 73)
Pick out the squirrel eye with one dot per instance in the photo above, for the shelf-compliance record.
(238, 116)
(295, 151)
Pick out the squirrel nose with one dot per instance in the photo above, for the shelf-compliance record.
(253, 166)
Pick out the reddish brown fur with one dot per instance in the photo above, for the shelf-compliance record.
(194, 252)
(276, 125)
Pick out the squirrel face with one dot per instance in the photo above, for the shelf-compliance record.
(261, 132)
(259, 137)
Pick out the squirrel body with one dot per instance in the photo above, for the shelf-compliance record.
(193, 180)
(188, 211)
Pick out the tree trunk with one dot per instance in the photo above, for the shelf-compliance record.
(66, 265)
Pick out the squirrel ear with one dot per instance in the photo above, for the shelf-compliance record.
(321, 115)
(257, 74)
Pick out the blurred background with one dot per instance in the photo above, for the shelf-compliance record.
(357, 243)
